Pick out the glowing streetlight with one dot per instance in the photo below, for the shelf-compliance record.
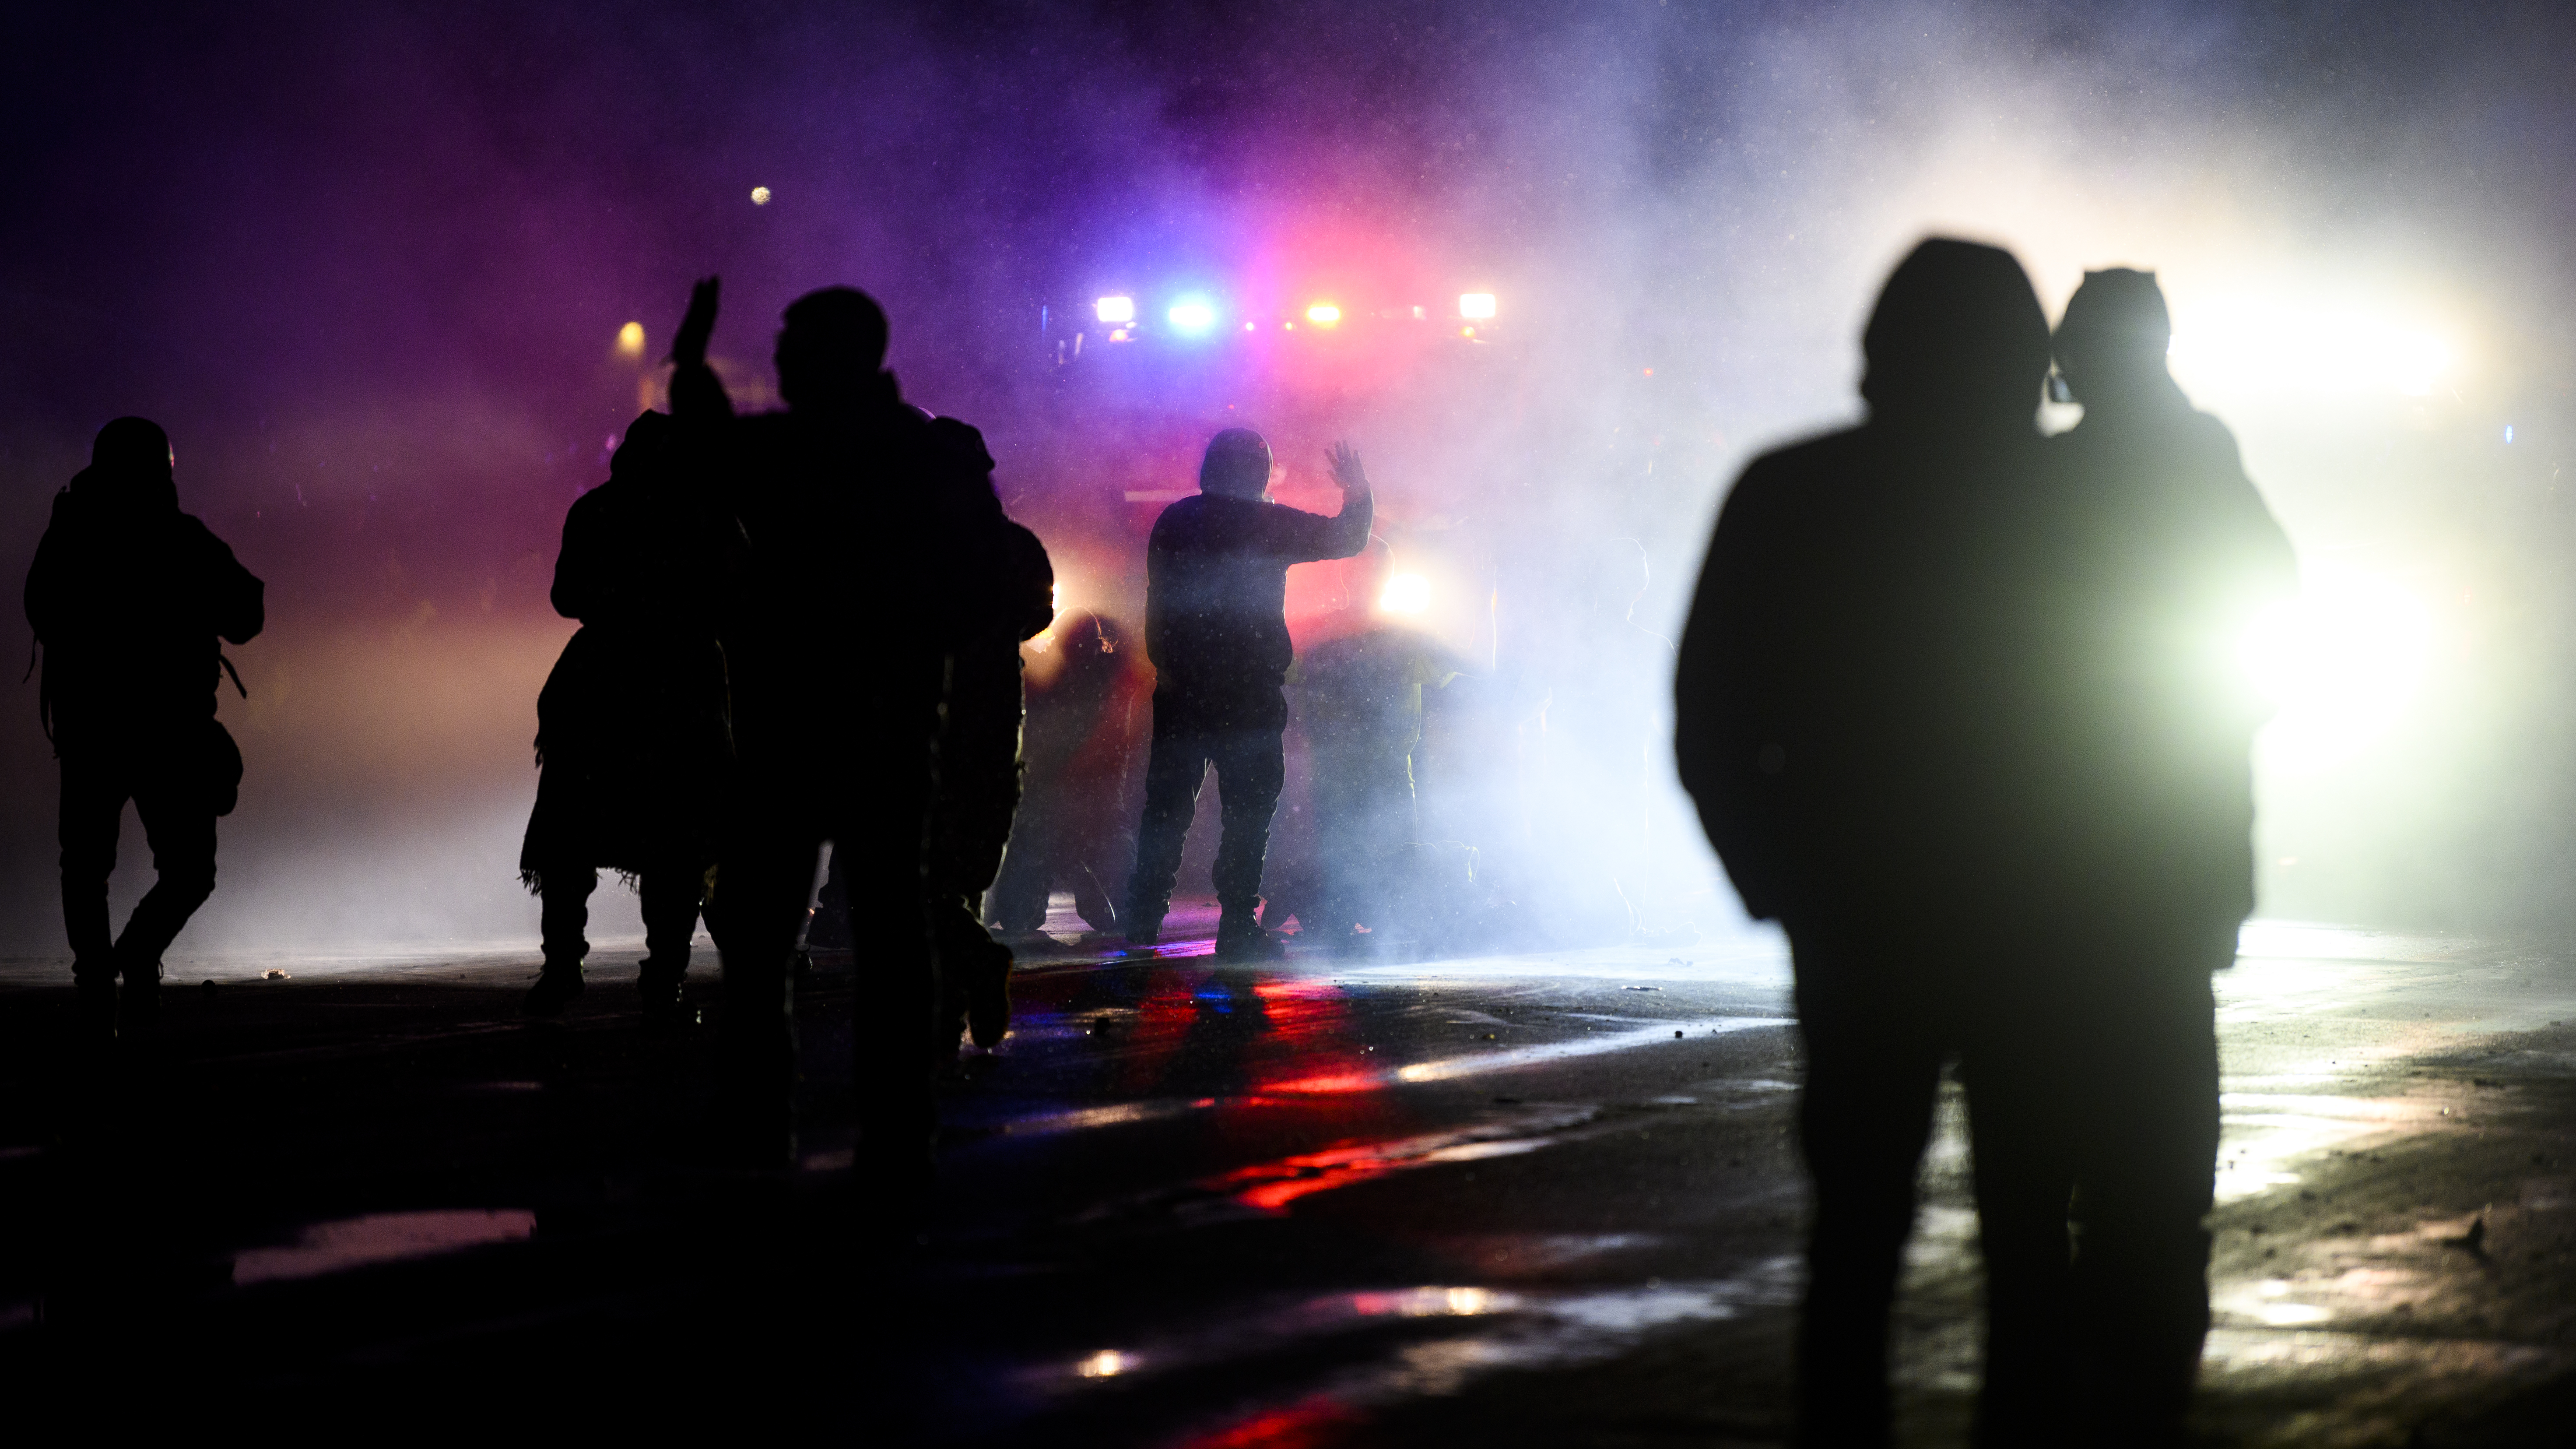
(630, 340)
(1115, 310)
(1323, 314)
(1476, 306)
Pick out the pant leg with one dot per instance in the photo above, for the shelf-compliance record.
(2022, 1081)
(1251, 767)
(563, 912)
(671, 898)
(1173, 774)
(895, 1023)
(179, 823)
(87, 822)
(2146, 1170)
(1864, 1116)
(763, 883)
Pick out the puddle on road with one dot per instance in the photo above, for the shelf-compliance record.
(2265, 1133)
(381, 1238)
(1460, 1332)
(1266, 1189)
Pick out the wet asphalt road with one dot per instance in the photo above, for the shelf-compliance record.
(1532, 1199)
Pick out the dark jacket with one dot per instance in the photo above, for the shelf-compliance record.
(1216, 590)
(878, 548)
(129, 597)
(2181, 556)
(1865, 709)
(634, 725)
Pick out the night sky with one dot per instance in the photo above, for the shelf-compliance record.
(368, 264)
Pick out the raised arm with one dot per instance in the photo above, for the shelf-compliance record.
(696, 393)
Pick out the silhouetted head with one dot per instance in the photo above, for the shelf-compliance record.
(131, 463)
(132, 447)
(1237, 464)
(1958, 336)
(832, 344)
(2114, 334)
(647, 447)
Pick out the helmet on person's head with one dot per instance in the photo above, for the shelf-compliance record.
(831, 338)
(1957, 331)
(1237, 464)
(2116, 317)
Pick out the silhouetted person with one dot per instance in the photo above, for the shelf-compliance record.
(877, 548)
(2111, 1105)
(1360, 706)
(1085, 718)
(979, 790)
(1878, 715)
(634, 732)
(1216, 627)
(129, 597)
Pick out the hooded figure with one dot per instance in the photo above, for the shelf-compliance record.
(1900, 710)
(634, 730)
(129, 598)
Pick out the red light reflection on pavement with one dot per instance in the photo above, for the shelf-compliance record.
(1317, 1421)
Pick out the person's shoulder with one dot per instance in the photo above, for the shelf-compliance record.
(957, 443)
(1783, 473)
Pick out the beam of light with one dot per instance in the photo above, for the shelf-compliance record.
(1323, 314)
(760, 196)
(1405, 594)
(2343, 662)
(2234, 346)
(1115, 309)
(630, 340)
(1192, 315)
(1476, 306)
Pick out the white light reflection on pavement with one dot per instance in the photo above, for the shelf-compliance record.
(381, 1238)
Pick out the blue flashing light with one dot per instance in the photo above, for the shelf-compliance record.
(1192, 316)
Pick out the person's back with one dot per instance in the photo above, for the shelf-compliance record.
(876, 552)
(1216, 628)
(1860, 691)
(2179, 555)
(634, 738)
(131, 599)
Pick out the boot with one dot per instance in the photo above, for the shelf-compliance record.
(1240, 939)
(97, 1009)
(139, 1010)
(555, 989)
(988, 996)
(664, 999)
(1142, 932)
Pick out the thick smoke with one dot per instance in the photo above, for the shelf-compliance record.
(369, 265)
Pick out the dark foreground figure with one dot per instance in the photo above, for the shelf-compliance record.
(980, 768)
(129, 597)
(634, 733)
(1951, 704)
(878, 551)
(1216, 627)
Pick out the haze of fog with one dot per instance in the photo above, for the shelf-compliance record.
(369, 265)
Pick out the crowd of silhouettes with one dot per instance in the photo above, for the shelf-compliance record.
(1953, 703)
